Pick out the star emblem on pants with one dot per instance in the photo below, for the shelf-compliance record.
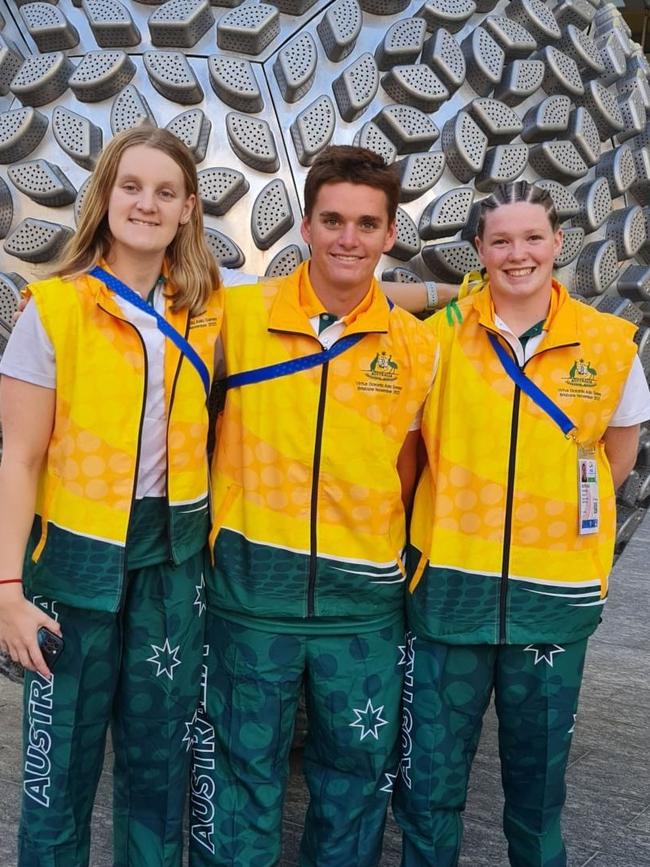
(544, 652)
(189, 738)
(165, 658)
(369, 720)
(200, 596)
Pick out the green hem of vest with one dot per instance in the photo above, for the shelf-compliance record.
(259, 581)
(461, 608)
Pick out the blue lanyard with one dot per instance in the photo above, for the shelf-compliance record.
(167, 329)
(528, 387)
(294, 365)
(284, 368)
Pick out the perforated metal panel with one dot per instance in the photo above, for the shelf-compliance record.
(295, 67)
(497, 120)
(618, 169)
(180, 23)
(48, 27)
(356, 87)
(419, 173)
(595, 202)
(626, 228)
(447, 214)
(520, 80)
(444, 55)
(410, 129)
(416, 85)
(235, 83)
(249, 28)
(503, 163)
(464, 145)
(484, 59)
(402, 43)
(272, 215)
(558, 160)
(193, 129)
(36, 240)
(596, 268)
(547, 119)
(220, 189)
(313, 129)
(407, 243)
(634, 283)
(43, 182)
(101, 74)
(172, 76)
(572, 241)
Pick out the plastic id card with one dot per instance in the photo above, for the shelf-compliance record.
(588, 503)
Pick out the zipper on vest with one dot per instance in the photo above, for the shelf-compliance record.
(313, 515)
(507, 528)
(510, 490)
(169, 416)
(138, 449)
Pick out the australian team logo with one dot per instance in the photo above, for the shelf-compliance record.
(383, 367)
(582, 373)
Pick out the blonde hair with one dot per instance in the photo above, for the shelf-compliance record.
(193, 272)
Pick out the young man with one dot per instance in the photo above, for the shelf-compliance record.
(315, 460)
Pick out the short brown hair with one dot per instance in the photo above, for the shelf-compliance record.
(193, 271)
(510, 194)
(348, 164)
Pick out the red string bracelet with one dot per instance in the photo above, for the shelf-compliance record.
(11, 580)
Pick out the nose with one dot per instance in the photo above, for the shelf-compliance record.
(349, 235)
(517, 249)
(146, 200)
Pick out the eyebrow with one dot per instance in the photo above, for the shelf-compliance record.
(329, 214)
(132, 177)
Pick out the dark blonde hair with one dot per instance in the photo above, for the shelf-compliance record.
(348, 164)
(193, 272)
(510, 194)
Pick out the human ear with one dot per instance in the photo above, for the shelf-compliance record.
(188, 207)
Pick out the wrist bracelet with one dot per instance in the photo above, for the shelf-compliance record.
(11, 580)
(432, 295)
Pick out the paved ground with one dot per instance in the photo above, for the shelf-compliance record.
(607, 820)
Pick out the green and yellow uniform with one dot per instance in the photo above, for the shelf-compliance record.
(308, 576)
(503, 590)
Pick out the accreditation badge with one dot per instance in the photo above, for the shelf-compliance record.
(588, 503)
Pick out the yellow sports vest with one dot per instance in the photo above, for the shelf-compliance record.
(87, 483)
(308, 518)
(496, 555)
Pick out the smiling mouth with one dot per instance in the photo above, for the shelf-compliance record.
(342, 258)
(519, 272)
(142, 223)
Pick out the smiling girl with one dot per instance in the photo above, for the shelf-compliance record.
(103, 492)
(512, 534)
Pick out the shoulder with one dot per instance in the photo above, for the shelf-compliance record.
(62, 290)
(415, 332)
(596, 324)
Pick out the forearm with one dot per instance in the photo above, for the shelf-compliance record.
(413, 296)
(621, 446)
(620, 471)
(18, 482)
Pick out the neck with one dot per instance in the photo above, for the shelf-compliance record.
(139, 272)
(521, 314)
(337, 300)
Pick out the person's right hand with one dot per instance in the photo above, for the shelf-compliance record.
(20, 620)
(22, 303)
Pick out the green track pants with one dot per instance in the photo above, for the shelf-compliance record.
(244, 732)
(138, 670)
(446, 692)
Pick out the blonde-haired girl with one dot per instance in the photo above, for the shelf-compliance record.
(103, 492)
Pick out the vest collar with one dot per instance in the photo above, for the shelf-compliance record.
(296, 302)
(561, 323)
